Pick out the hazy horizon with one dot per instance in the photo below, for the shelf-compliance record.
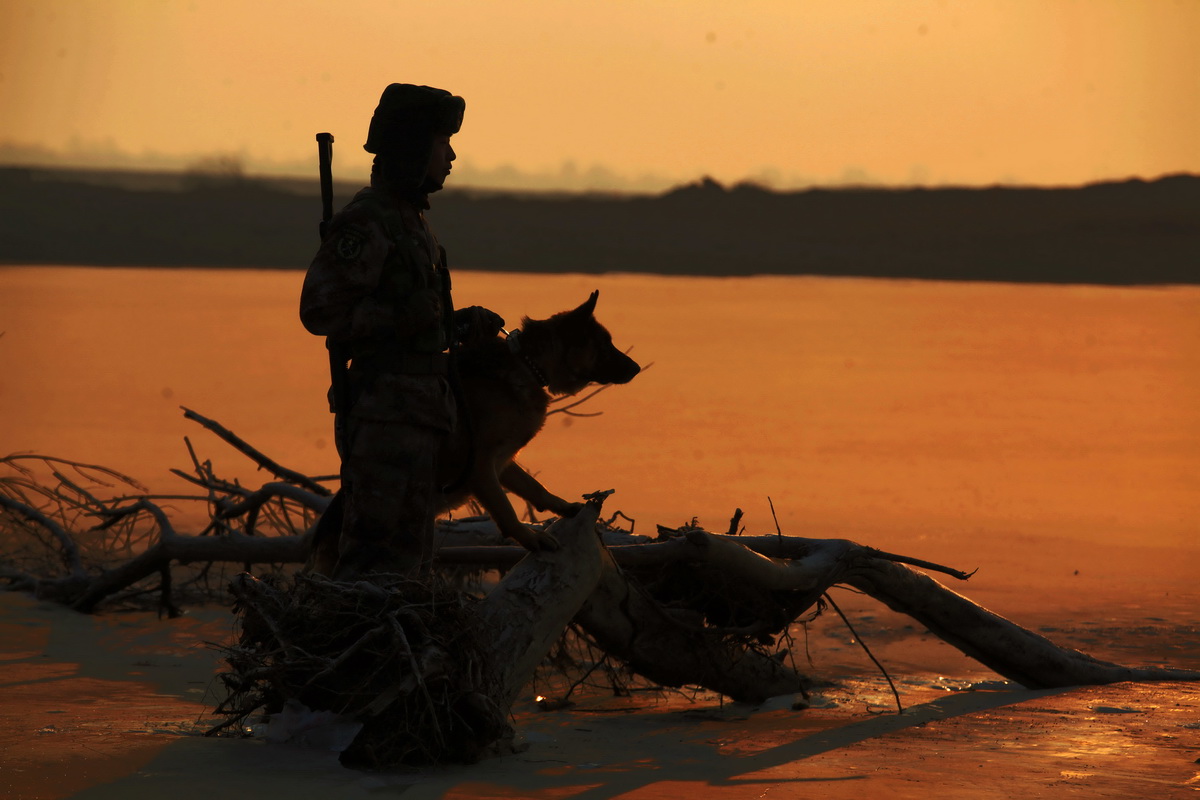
(620, 97)
(568, 179)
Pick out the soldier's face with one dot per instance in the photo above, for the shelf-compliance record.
(439, 161)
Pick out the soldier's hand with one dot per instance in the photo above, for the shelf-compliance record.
(476, 324)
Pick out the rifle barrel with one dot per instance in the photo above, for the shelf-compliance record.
(325, 159)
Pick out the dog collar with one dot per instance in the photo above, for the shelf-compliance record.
(514, 346)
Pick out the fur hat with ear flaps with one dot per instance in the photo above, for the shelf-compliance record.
(404, 124)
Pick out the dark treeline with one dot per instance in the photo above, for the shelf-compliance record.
(1134, 232)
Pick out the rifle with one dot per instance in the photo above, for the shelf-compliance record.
(339, 358)
(325, 157)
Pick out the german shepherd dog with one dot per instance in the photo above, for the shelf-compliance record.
(506, 386)
(504, 392)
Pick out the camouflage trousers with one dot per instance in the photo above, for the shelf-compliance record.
(389, 478)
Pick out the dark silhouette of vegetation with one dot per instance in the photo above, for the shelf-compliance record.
(1134, 232)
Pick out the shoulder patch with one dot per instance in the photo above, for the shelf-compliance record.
(349, 244)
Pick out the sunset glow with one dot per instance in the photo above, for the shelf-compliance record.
(620, 95)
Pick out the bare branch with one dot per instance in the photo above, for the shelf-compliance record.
(283, 473)
(252, 501)
(70, 551)
(567, 409)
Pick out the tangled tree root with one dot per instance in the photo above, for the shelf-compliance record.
(402, 657)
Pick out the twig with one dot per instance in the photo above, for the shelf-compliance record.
(566, 409)
(78, 466)
(84, 493)
(206, 478)
(112, 516)
(191, 498)
(281, 472)
(165, 602)
(336, 663)
(211, 482)
(778, 530)
(624, 516)
(916, 562)
(417, 672)
(596, 664)
(70, 551)
(867, 650)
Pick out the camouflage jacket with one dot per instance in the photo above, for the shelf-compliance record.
(379, 289)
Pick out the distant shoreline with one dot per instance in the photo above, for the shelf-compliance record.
(1129, 233)
(468, 269)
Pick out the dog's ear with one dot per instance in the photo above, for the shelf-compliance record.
(589, 305)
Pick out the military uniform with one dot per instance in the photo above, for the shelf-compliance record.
(379, 289)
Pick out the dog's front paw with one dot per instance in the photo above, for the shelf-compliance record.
(565, 509)
(534, 540)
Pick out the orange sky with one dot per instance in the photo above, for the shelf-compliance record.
(621, 94)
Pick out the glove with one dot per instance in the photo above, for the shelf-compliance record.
(476, 324)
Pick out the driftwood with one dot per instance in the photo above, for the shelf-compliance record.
(674, 647)
(531, 607)
(1003, 646)
(688, 607)
(625, 619)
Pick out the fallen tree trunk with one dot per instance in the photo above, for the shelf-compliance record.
(675, 648)
(85, 592)
(1016, 653)
(173, 547)
(528, 611)
(814, 565)
(766, 582)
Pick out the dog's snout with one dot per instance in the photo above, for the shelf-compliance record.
(624, 369)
